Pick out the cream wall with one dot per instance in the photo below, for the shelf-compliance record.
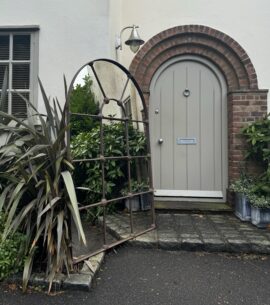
(71, 33)
(247, 21)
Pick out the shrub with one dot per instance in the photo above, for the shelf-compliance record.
(136, 187)
(242, 185)
(40, 198)
(83, 100)
(12, 252)
(258, 138)
(259, 201)
(87, 145)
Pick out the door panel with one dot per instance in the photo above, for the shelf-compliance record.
(179, 117)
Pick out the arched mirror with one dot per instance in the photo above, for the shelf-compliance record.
(109, 147)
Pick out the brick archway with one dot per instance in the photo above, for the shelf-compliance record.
(246, 102)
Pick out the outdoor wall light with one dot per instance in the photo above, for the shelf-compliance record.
(134, 41)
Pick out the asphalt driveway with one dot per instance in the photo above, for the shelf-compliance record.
(149, 276)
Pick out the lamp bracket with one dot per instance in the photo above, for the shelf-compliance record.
(118, 41)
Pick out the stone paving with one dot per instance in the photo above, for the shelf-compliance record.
(197, 232)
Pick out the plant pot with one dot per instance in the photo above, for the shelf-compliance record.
(145, 200)
(135, 204)
(242, 207)
(260, 217)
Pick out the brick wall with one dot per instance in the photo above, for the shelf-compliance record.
(211, 44)
(246, 102)
(244, 107)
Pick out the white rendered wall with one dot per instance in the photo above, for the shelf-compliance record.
(247, 21)
(71, 33)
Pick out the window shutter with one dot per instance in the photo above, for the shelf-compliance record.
(5, 105)
(19, 107)
(3, 68)
(20, 76)
(21, 47)
(4, 47)
(15, 57)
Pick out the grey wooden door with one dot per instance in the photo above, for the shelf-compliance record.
(188, 130)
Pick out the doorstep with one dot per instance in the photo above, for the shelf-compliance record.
(194, 232)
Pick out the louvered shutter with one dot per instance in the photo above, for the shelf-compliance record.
(20, 74)
(4, 47)
(3, 69)
(15, 56)
(4, 66)
(21, 47)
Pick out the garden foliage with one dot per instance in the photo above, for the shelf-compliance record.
(12, 251)
(39, 197)
(88, 174)
(257, 135)
(83, 100)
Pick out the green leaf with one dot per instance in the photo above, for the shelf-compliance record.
(74, 203)
(49, 206)
(27, 270)
(60, 222)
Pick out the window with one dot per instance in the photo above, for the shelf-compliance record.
(127, 106)
(17, 59)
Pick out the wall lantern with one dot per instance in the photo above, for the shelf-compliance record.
(134, 41)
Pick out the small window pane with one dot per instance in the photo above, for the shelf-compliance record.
(21, 47)
(4, 47)
(3, 68)
(21, 76)
(19, 108)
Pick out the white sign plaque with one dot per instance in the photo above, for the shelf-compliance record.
(186, 141)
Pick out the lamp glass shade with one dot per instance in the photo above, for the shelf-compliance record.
(134, 47)
(134, 40)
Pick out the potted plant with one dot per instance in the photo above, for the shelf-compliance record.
(260, 210)
(137, 202)
(241, 187)
(258, 138)
(145, 200)
(133, 202)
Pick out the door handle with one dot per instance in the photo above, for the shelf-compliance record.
(160, 141)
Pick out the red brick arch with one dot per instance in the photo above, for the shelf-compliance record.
(246, 102)
(217, 47)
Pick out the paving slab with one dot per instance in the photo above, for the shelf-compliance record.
(81, 280)
(194, 232)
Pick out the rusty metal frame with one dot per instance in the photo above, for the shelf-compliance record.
(102, 158)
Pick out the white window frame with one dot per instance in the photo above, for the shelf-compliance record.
(33, 31)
